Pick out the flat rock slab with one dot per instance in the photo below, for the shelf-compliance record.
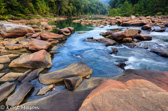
(40, 59)
(6, 89)
(76, 69)
(65, 100)
(81, 32)
(4, 59)
(24, 75)
(16, 98)
(45, 89)
(12, 56)
(11, 76)
(134, 95)
(32, 75)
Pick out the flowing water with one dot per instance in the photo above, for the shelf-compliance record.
(96, 55)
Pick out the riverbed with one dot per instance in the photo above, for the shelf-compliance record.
(97, 56)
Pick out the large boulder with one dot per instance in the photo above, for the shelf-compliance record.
(40, 59)
(134, 23)
(76, 69)
(14, 30)
(160, 78)
(131, 33)
(36, 45)
(134, 95)
(118, 36)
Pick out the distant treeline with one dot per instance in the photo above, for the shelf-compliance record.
(22, 8)
(138, 7)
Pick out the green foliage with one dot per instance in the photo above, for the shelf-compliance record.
(114, 12)
(140, 7)
(22, 8)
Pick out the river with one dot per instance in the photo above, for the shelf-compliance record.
(96, 55)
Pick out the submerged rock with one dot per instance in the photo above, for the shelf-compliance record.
(6, 89)
(106, 41)
(76, 69)
(14, 30)
(161, 29)
(72, 82)
(40, 59)
(44, 90)
(146, 27)
(140, 95)
(36, 45)
(81, 32)
(108, 34)
(144, 37)
(17, 98)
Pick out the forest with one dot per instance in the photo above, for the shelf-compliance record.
(138, 7)
(23, 8)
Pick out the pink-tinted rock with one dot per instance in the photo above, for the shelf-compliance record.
(36, 44)
(65, 31)
(71, 29)
(14, 30)
(48, 35)
(40, 59)
(134, 95)
(160, 78)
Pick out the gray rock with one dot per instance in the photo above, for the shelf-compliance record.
(6, 89)
(72, 82)
(16, 98)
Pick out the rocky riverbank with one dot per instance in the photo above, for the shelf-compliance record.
(31, 47)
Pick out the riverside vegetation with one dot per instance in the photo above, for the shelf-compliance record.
(15, 9)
